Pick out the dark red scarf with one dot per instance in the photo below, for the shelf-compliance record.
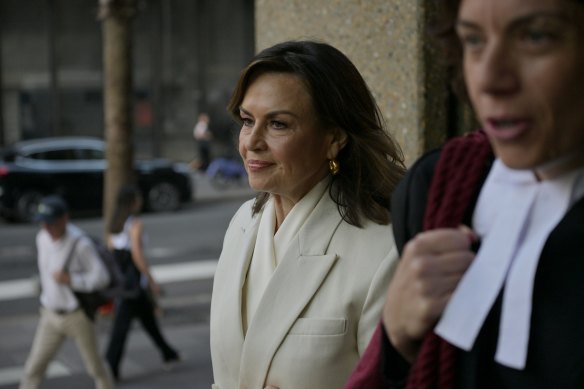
(460, 170)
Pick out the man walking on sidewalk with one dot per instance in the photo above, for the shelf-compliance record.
(58, 243)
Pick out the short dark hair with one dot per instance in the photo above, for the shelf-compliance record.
(371, 162)
(443, 30)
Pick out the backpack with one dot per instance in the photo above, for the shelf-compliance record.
(91, 301)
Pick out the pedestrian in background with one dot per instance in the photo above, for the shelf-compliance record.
(304, 267)
(126, 238)
(59, 242)
(203, 136)
(511, 314)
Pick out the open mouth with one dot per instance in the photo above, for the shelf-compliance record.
(506, 128)
(505, 123)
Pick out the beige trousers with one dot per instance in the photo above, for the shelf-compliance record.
(52, 330)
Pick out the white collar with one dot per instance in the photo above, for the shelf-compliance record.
(514, 216)
(297, 217)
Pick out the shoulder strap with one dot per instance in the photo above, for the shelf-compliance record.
(70, 255)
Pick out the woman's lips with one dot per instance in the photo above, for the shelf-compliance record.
(256, 165)
(506, 129)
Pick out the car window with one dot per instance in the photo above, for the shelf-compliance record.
(54, 155)
(68, 155)
(90, 154)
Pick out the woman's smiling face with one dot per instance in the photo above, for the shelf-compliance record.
(284, 147)
(523, 65)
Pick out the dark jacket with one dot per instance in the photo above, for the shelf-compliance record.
(556, 349)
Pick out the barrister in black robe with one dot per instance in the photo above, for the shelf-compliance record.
(521, 62)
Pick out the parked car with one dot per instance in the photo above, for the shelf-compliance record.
(74, 168)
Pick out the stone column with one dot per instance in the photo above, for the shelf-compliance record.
(386, 40)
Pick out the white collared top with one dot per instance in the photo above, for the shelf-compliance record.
(515, 214)
(270, 248)
(85, 269)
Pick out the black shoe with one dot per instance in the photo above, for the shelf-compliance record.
(115, 372)
(170, 362)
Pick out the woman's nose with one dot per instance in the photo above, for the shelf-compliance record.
(497, 70)
(254, 138)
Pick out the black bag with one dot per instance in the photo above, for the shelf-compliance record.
(91, 301)
(132, 277)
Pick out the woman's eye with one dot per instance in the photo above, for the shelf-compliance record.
(247, 122)
(537, 37)
(277, 125)
(471, 42)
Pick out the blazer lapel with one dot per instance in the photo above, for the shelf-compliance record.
(229, 305)
(295, 281)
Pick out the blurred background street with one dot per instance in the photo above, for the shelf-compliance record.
(183, 249)
(54, 83)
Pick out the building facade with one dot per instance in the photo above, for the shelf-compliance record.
(187, 57)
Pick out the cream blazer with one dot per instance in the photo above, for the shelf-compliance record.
(318, 311)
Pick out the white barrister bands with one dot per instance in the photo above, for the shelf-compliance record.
(514, 216)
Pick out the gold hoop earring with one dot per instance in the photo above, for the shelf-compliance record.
(334, 167)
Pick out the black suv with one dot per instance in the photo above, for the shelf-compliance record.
(73, 167)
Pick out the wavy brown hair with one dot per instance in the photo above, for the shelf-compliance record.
(371, 162)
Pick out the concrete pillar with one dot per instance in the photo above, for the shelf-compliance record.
(386, 39)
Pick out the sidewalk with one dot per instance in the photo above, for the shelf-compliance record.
(185, 324)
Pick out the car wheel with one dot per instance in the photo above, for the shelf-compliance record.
(26, 205)
(163, 196)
